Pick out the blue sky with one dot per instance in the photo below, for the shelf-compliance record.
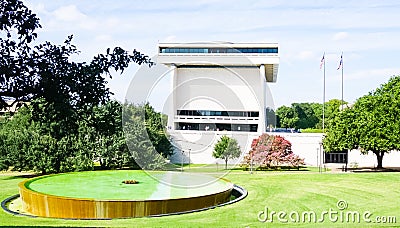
(368, 32)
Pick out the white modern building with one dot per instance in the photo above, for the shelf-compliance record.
(221, 89)
(217, 88)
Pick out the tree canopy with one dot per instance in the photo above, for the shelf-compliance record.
(29, 71)
(371, 125)
(70, 121)
(306, 115)
(226, 148)
(28, 144)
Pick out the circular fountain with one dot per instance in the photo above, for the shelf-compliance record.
(103, 195)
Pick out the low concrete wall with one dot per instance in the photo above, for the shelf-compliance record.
(306, 145)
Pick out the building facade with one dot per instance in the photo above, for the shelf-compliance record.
(217, 89)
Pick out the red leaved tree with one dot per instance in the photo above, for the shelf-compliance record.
(269, 151)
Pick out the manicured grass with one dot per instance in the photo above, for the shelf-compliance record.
(291, 191)
(311, 130)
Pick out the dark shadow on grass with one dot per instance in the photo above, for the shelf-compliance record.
(281, 169)
(32, 226)
(374, 170)
(21, 176)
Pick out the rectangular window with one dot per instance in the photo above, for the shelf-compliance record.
(336, 157)
(217, 113)
(219, 50)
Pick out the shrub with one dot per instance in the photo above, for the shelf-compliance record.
(268, 151)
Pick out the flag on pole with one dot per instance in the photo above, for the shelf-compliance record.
(322, 61)
(341, 62)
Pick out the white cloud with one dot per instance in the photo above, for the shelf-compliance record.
(340, 36)
(373, 73)
(171, 38)
(306, 55)
(69, 13)
(103, 38)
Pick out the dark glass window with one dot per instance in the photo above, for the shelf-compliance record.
(217, 113)
(217, 127)
(219, 50)
(336, 157)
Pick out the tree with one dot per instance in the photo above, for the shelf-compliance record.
(306, 115)
(70, 90)
(145, 137)
(342, 134)
(371, 125)
(378, 122)
(46, 70)
(156, 131)
(269, 151)
(286, 117)
(226, 148)
(332, 107)
(15, 138)
(27, 144)
(64, 96)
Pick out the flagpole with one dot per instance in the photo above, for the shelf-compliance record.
(342, 79)
(323, 101)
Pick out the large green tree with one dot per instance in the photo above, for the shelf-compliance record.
(27, 144)
(65, 96)
(371, 125)
(155, 126)
(306, 115)
(68, 90)
(145, 136)
(286, 117)
(226, 148)
(29, 71)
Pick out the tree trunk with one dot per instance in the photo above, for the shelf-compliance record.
(226, 163)
(379, 157)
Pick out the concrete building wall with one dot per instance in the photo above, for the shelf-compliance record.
(306, 145)
(201, 145)
(235, 89)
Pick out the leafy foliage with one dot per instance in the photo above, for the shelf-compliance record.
(226, 148)
(286, 117)
(68, 91)
(306, 115)
(46, 71)
(155, 126)
(145, 136)
(371, 125)
(70, 121)
(269, 151)
(28, 144)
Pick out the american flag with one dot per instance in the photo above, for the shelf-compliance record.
(341, 62)
(322, 61)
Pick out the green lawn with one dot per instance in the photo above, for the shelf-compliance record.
(290, 191)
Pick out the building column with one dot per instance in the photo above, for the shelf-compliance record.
(172, 108)
(262, 101)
